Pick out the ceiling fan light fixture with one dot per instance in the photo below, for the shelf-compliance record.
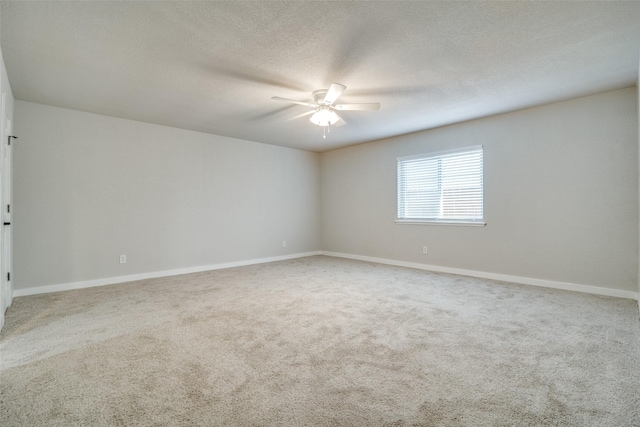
(324, 116)
(323, 112)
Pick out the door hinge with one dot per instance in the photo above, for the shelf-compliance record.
(8, 277)
(8, 208)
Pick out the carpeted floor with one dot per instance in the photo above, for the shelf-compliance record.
(320, 341)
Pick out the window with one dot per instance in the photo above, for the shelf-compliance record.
(444, 187)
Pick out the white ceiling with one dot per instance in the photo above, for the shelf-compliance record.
(214, 66)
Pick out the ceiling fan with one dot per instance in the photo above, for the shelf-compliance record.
(323, 112)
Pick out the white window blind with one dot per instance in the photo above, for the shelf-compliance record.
(441, 187)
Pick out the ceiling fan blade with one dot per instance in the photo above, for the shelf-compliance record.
(340, 123)
(278, 98)
(356, 107)
(308, 113)
(334, 92)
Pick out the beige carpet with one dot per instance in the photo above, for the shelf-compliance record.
(320, 341)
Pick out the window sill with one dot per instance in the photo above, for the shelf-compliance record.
(479, 223)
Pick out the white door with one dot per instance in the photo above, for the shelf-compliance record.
(4, 290)
(5, 205)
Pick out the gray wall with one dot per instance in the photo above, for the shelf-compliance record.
(561, 195)
(89, 188)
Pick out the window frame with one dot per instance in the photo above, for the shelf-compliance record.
(442, 220)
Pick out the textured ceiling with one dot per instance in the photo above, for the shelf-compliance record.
(213, 66)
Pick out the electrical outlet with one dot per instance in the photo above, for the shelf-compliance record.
(284, 243)
(424, 250)
(123, 259)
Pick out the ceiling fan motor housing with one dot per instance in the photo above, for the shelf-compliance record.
(318, 96)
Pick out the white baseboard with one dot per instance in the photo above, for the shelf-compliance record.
(481, 274)
(495, 276)
(131, 278)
